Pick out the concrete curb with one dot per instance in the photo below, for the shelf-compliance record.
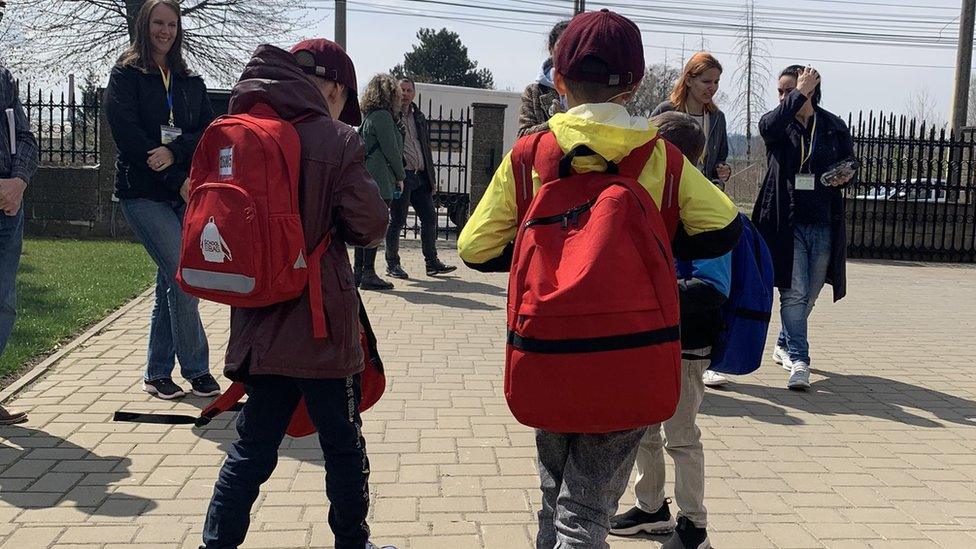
(50, 361)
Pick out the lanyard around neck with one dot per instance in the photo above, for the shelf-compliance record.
(167, 80)
(805, 151)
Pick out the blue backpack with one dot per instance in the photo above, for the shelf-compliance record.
(740, 345)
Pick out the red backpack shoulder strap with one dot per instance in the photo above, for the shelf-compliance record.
(633, 164)
(670, 209)
(525, 153)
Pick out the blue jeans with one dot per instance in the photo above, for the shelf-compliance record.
(176, 330)
(811, 257)
(11, 243)
(333, 406)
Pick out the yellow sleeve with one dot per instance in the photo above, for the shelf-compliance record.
(703, 206)
(492, 225)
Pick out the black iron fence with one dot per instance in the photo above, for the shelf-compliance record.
(915, 196)
(65, 124)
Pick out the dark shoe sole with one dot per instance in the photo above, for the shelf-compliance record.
(441, 271)
(376, 287)
(155, 392)
(653, 528)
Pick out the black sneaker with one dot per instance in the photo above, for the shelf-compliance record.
(163, 388)
(396, 271)
(436, 267)
(373, 282)
(687, 536)
(205, 386)
(637, 521)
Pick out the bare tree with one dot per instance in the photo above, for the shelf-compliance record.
(971, 115)
(751, 77)
(77, 35)
(656, 87)
(921, 106)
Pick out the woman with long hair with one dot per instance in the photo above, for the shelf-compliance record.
(157, 110)
(800, 208)
(694, 95)
(381, 103)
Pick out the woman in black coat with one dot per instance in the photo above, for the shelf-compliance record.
(800, 208)
(157, 111)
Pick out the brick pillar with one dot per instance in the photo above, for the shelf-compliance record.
(486, 146)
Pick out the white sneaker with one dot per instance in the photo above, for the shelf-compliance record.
(782, 357)
(371, 545)
(714, 379)
(799, 376)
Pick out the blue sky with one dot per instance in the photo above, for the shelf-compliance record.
(512, 44)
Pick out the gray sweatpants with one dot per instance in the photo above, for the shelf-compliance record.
(583, 477)
(682, 440)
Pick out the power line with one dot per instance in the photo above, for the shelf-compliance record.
(485, 21)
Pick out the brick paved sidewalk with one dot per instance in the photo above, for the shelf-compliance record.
(882, 453)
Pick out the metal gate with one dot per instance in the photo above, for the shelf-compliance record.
(450, 144)
(915, 196)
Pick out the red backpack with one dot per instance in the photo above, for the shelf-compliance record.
(593, 336)
(243, 242)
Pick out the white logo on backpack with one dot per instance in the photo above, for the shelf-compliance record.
(214, 248)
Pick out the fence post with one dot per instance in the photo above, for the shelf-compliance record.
(488, 138)
(103, 222)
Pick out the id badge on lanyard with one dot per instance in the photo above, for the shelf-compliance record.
(807, 181)
(168, 133)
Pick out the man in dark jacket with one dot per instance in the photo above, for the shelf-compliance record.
(272, 349)
(18, 162)
(418, 190)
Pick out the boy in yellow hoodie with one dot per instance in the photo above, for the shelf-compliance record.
(598, 63)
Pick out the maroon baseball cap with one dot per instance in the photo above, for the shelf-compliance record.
(602, 47)
(326, 59)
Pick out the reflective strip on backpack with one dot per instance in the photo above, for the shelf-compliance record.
(225, 282)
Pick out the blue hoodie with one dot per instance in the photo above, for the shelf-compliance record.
(546, 74)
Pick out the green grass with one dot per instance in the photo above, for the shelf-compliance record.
(64, 286)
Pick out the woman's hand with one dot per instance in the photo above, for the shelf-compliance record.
(724, 172)
(185, 190)
(808, 81)
(160, 158)
(400, 186)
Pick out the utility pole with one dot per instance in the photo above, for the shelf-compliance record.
(340, 23)
(750, 33)
(964, 60)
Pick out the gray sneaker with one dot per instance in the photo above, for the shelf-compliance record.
(799, 376)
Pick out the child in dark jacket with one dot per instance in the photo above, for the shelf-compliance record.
(703, 288)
